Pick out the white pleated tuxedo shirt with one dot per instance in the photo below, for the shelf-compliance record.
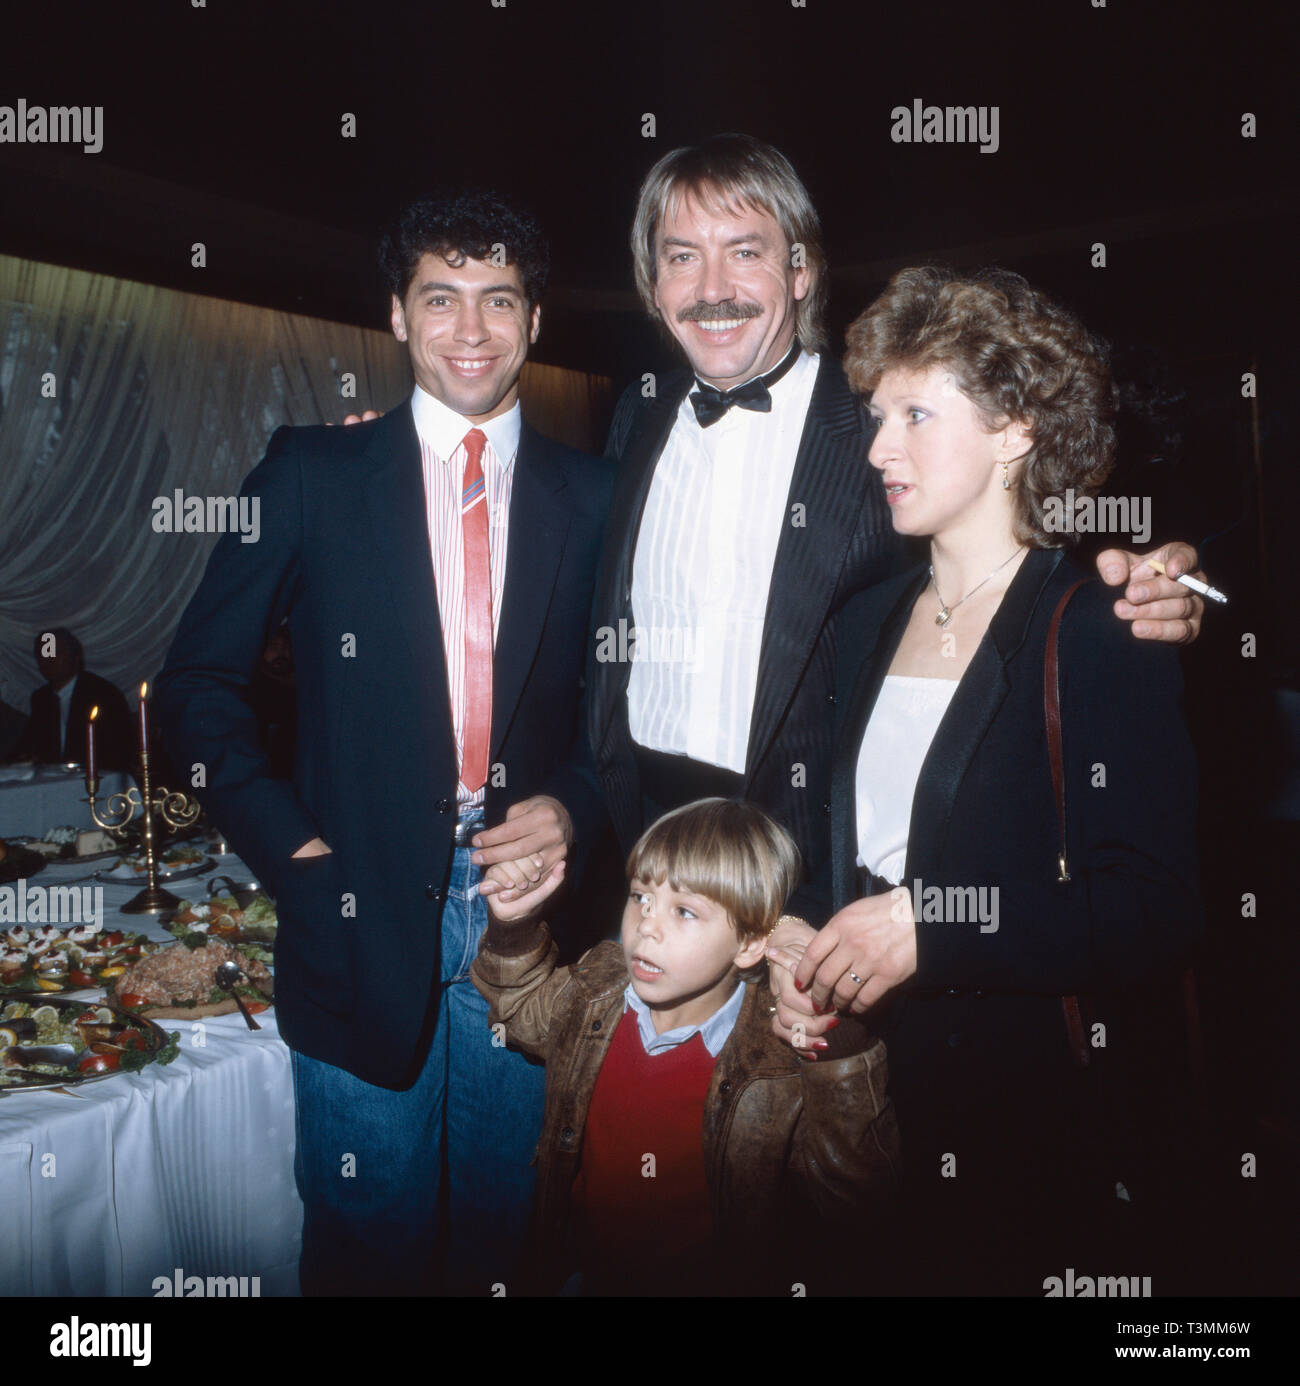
(716, 509)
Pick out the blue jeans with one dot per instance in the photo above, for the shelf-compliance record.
(370, 1161)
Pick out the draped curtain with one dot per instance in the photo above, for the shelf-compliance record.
(113, 393)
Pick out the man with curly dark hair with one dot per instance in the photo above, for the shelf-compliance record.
(435, 568)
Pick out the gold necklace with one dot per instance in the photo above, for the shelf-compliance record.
(945, 612)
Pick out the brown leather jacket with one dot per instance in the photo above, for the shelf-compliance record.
(797, 1153)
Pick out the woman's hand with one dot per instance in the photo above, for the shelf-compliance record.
(793, 1019)
(874, 940)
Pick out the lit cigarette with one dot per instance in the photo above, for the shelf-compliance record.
(1212, 592)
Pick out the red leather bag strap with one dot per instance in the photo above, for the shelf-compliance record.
(1056, 758)
(1052, 716)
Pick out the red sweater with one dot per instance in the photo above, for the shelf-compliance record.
(641, 1198)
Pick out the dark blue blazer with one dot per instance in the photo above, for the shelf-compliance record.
(344, 554)
(980, 1028)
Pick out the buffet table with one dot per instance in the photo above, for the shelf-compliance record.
(186, 1168)
(34, 798)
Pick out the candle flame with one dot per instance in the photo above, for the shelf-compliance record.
(94, 712)
(144, 691)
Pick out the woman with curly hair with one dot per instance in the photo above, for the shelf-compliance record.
(997, 930)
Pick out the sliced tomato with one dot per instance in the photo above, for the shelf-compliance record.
(131, 1000)
(81, 979)
(256, 1007)
(99, 1063)
(114, 938)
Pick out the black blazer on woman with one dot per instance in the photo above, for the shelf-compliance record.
(977, 1043)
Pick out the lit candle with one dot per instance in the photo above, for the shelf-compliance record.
(144, 719)
(90, 751)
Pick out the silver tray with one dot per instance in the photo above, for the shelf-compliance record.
(67, 861)
(155, 1036)
(165, 874)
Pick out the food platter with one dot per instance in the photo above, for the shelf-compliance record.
(252, 927)
(47, 958)
(59, 845)
(102, 1039)
(185, 862)
(178, 981)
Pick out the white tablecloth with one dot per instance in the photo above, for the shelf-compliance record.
(50, 798)
(187, 1167)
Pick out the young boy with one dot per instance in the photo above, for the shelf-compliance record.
(684, 1148)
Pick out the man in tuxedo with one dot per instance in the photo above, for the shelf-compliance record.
(435, 567)
(745, 515)
(56, 729)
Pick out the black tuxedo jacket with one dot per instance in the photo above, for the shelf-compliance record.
(977, 1040)
(344, 553)
(846, 543)
(115, 747)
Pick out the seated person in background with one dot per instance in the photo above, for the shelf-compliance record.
(56, 730)
(684, 1149)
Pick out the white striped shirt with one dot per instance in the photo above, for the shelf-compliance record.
(443, 457)
(716, 510)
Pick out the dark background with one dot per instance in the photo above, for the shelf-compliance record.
(1119, 124)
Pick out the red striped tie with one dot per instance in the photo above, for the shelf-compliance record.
(478, 616)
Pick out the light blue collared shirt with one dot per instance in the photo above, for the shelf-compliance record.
(715, 1031)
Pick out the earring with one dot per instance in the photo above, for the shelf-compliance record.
(1006, 485)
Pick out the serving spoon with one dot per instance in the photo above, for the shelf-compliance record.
(225, 977)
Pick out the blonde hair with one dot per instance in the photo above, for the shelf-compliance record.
(727, 851)
(734, 172)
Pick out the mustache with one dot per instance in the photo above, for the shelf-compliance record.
(718, 312)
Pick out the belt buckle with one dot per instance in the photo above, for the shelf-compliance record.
(465, 829)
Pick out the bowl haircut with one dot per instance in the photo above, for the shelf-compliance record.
(729, 852)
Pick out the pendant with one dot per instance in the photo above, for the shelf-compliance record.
(943, 617)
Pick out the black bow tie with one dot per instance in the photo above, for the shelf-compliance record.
(711, 404)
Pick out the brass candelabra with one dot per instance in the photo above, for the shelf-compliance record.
(176, 809)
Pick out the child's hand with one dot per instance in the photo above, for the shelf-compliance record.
(794, 1020)
(528, 906)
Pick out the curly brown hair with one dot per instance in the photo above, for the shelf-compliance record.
(1015, 355)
